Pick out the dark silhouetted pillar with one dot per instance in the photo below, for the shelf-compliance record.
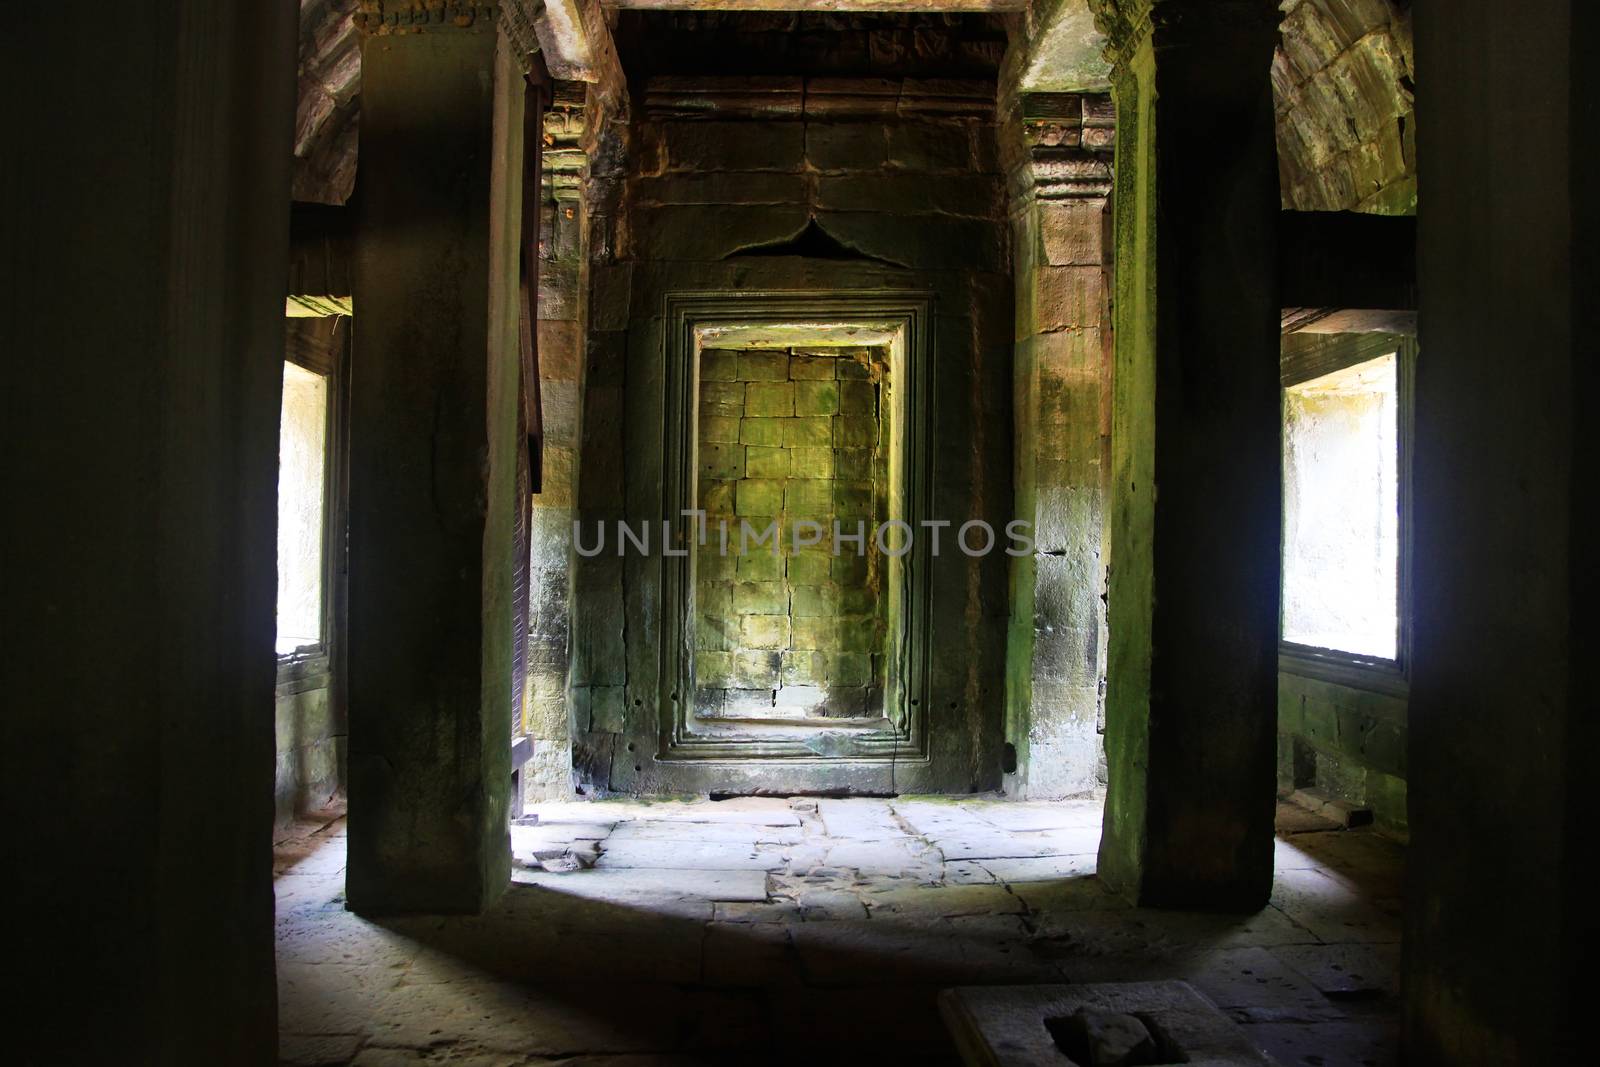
(433, 462)
(145, 236)
(1500, 918)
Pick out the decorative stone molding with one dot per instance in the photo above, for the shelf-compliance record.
(1068, 138)
(515, 18)
(1072, 176)
(786, 97)
(383, 17)
(564, 155)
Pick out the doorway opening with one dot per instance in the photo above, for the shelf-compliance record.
(791, 616)
(796, 619)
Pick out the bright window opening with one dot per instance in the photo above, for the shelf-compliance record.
(302, 467)
(1341, 537)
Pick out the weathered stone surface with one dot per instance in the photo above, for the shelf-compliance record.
(928, 243)
(688, 853)
(863, 953)
(833, 146)
(1345, 970)
(705, 232)
(761, 366)
(807, 918)
(745, 146)
(973, 195)
(432, 801)
(1342, 84)
(931, 146)
(1035, 1024)
(722, 188)
(769, 399)
(1332, 908)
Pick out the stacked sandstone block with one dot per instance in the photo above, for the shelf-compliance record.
(787, 436)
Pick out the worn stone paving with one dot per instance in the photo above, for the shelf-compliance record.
(761, 930)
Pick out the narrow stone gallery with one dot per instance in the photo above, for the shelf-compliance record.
(645, 532)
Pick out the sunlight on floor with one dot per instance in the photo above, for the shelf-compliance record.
(677, 932)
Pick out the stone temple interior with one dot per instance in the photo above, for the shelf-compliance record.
(764, 531)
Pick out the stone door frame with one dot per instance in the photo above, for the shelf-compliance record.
(900, 319)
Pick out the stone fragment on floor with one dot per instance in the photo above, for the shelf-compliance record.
(1138, 1023)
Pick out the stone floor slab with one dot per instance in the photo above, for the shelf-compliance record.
(1367, 1043)
(1039, 868)
(629, 883)
(688, 855)
(1041, 815)
(1346, 971)
(849, 919)
(1330, 908)
(992, 843)
(872, 953)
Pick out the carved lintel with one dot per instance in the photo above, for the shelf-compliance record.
(384, 17)
(514, 18)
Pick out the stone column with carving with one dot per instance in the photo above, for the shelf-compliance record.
(1060, 188)
(562, 300)
(1194, 505)
(433, 453)
(598, 675)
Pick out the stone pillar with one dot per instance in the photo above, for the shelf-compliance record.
(433, 461)
(144, 334)
(598, 672)
(1194, 511)
(1500, 919)
(563, 303)
(1055, 660)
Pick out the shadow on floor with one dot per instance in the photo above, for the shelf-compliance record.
(644, 965)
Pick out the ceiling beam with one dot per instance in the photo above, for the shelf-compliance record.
(831, 6)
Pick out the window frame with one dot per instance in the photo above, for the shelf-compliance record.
(1305, 356)
(311, 667)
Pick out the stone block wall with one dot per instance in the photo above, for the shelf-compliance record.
(310, 747)
(1348, 742)
(1342, 79)
(788, 630)
(796, 184)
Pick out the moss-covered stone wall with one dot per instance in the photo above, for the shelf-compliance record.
(787, 629)
(1347, 742)
(1342, 82)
